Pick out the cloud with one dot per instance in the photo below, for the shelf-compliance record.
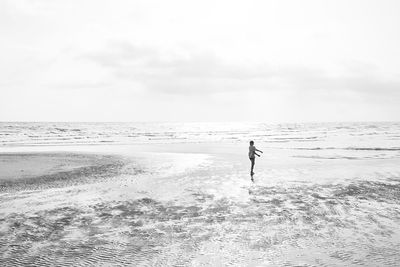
(190, 72)
(134, 62)
(182, 71)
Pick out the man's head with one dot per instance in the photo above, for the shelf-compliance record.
(251, 143)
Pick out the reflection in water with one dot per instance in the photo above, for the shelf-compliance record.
(320, 225)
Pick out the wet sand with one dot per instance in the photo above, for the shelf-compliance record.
(32, 170)
(27, 165)
(194, 205)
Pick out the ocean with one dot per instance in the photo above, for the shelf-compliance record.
(180, 194)
(382, 136)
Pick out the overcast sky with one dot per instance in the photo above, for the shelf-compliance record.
(267, 61)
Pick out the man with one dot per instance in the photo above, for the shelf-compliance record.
(252, 154)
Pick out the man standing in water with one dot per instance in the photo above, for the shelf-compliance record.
(252, 157)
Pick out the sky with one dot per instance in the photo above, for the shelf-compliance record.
(259, 61)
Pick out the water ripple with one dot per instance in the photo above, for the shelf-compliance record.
(335, 223)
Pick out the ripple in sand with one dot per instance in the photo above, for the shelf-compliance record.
(300, 226)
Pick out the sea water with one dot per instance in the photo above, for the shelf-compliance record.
(180, 194)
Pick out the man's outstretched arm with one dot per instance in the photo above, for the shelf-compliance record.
(259, 150)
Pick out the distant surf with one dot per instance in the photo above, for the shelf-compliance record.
(368, 136)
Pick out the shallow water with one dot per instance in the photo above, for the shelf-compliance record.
(313, 203)
(183, 209)
(382, 136)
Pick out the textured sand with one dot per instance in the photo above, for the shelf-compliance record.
(27, 165)
(159, 208)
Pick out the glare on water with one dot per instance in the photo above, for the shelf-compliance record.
(324, 195)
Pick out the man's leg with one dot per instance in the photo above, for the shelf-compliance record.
(252, 166)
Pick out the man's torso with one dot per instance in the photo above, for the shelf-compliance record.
(252, 150)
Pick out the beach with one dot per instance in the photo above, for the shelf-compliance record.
(193, 204)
